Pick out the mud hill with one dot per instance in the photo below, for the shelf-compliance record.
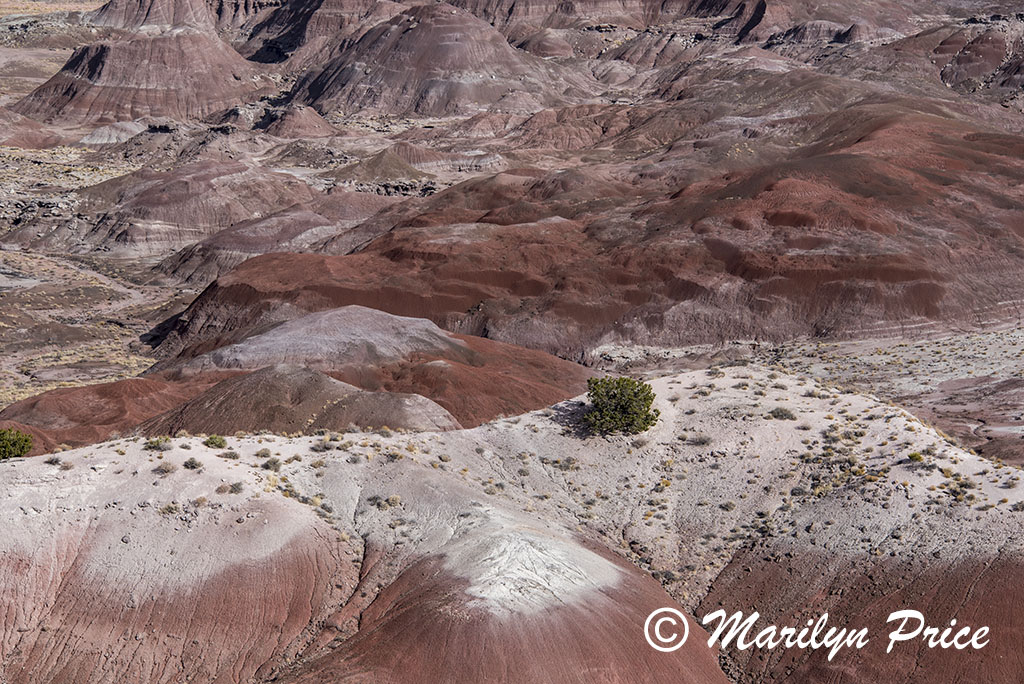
(329, 370)
(550, 175)
(168, 74)
(153, 15)
(433, 60)
(794, 183)
(831, 241)
(348, 556)
(408, 227)
(291, 399)
(21, 131)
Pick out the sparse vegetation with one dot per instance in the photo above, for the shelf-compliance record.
(272, 464)
(782, 413)
(383, 503)
(620, 405)
(158, 444)
(215, 442)
(165, 469)
(192, 464)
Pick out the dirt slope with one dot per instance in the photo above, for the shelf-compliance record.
(496, 541)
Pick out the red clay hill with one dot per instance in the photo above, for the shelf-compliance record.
(830, 240)
(330, 370)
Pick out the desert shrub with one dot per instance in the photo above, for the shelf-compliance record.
(158, 444)
(273, 464)
(14, 444)
(231, 455)
(620, 405)
(165, 468)
(782, 413)
(192, 464)
(263, 453)
(700, 439)
(215, 442)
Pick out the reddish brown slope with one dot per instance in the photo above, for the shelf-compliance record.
(454, 381)
(431, 60)
(254, 585)
(84, 415)
(290, 399)
(862, 592)
(20, 131)
(153, 14)
(100, 609)
(596, 641)
(183, 74)
(854, 231)
(474, 379)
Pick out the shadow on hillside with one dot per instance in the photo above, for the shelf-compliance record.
(569, 414)
(158, 333)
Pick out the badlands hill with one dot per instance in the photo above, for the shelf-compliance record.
(514, 551)
(838, 171)
(406, 228)
(153, 15)
(328, 370)
(168, 74)
(434, 60)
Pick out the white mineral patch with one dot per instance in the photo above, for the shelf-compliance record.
(518, 569)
